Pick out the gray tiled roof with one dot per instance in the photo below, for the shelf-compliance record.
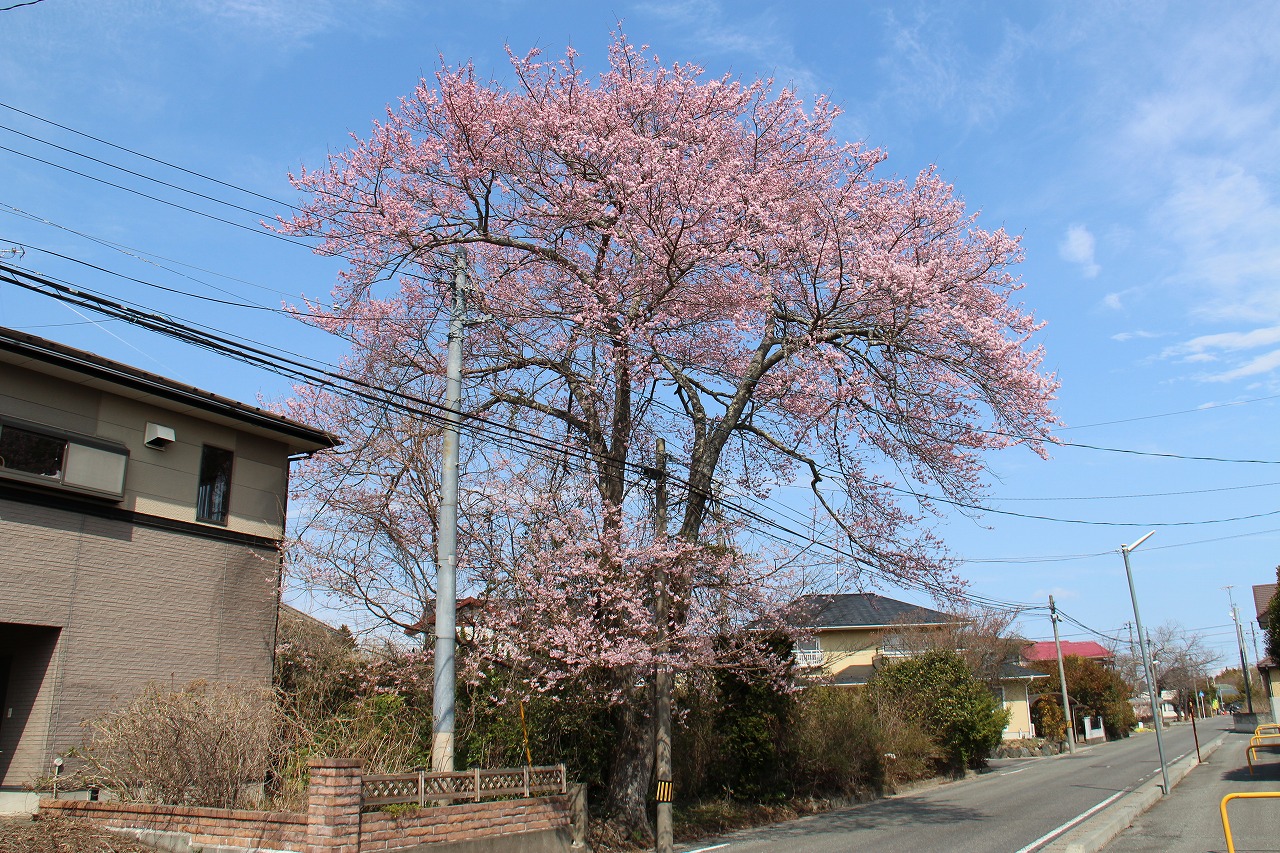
(854, 675)
(1015, 670)
(861, 610)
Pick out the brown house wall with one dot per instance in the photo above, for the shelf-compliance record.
(132, 605)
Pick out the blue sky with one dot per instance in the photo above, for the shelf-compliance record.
(1131, 145)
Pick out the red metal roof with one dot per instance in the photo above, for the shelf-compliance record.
(1046, 651)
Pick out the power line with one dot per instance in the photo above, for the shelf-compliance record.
(152, 159)
(174, 204)
(136, 174)
(1000, 433)
(905, 491)
(381, 396)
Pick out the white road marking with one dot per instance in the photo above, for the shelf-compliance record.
(1011, 772)
(1052, 834)
(712, 847)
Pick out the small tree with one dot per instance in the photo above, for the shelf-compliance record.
(1233, 680)
(1047, 717)
(1095, 689)
(943, 694)
(982, 638)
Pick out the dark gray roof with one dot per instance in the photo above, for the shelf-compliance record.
(852, 675)
(1014, 670)
(861, 610)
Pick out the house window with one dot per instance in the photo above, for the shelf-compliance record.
(809, 652)
(65, 460)
(998, 693)
(31, 452)
(214, 495)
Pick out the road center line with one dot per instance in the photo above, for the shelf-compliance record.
(1052, 834)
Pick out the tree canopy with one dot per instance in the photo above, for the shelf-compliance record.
(659, 253)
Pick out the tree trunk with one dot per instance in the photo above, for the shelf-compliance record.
(632, 766)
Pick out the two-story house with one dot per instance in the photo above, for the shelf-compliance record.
(850, 634)
(140, 529)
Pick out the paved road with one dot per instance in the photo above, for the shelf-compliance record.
(1017, 808)
(1188, 821)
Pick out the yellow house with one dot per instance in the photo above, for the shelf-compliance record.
(849, 634)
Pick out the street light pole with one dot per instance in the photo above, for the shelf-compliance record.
(1146, 660)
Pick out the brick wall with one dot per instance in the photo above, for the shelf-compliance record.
(380, 831)
(333, 822)
(228, 827)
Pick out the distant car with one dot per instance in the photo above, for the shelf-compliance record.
(1232, 708)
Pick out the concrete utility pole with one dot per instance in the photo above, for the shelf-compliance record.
(1133, 652)
(1146, 662)
(1244, 661)
(442, 717)
(1155, 679)
(1062, 680)
(663, 682)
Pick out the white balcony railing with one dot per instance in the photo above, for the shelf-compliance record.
(808, 658)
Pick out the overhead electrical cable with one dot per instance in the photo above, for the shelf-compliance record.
(251, 229)
(155, 160)
(136, 174)
(425, 408)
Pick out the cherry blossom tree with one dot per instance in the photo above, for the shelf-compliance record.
(661, 253)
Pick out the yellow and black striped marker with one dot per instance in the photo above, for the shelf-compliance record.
(664, 791)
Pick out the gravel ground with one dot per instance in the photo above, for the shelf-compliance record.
(61, 835)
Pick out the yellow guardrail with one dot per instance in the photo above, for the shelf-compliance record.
(1251, 795)
(1274, 728)
(1257, 742)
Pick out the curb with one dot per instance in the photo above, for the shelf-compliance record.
(1100, 830)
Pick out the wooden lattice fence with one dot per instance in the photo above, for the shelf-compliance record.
(424, 788)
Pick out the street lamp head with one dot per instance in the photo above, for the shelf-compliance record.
(1128, 548)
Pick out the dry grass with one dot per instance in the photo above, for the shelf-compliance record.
(62, 835)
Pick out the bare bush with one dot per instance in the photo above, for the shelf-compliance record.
(199, 746)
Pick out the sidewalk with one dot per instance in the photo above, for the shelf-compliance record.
(1188, 820)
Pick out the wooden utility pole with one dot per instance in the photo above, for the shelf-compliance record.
(663, 682)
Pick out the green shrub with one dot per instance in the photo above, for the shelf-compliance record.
(834, 745)
(754, 710)
(938, 690)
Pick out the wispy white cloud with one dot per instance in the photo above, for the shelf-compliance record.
(1259, 366)
(1234, 350)
(1134, 335)
(1113, 301)
(1077, 247)
(758, 36)
(927, 66)
(1232, 341)
(285, 22)
(1200, 146)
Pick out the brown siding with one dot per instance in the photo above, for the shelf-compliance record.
(134, 605)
